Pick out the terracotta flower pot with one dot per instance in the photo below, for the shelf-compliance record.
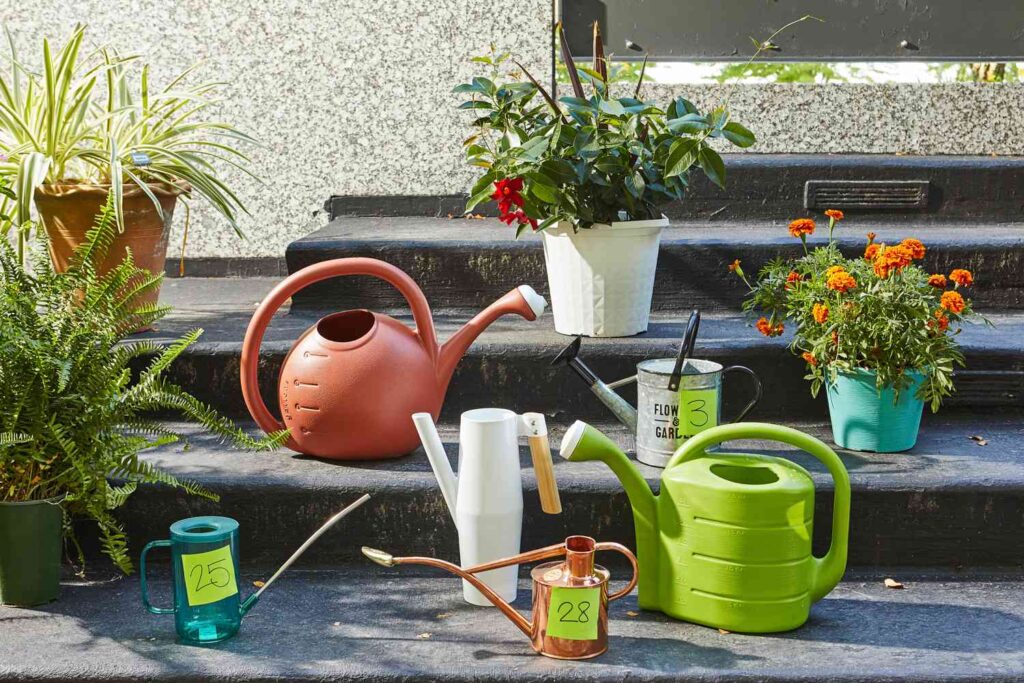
(69, 210)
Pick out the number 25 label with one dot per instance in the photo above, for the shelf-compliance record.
(209, 576)
(574, 612)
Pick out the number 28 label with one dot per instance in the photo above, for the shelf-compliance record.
(574, 612)
(209, 576)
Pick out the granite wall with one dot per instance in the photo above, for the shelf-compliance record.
(354, 97)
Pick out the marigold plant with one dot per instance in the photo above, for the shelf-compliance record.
(881, 311)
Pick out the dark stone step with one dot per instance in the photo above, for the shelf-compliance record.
(509, 363)
(376, 625)
(949, 502)
(466, 264)
(764, 187)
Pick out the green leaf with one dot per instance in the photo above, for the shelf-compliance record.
(543, 191)
(689, 123)
(559, 169)
(476, 104)
(481, 196)
(681, 156)
(738, 135)
(712, 165)
(681, 107)
(612, 107)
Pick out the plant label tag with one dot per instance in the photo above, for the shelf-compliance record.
(140, 158)
(574, 612)
(209, 576)
(698, 410)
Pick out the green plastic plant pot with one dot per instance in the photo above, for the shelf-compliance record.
(866, 419)
(30, 546)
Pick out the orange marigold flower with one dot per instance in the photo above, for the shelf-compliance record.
(941, 322)
(801, 226)
(841, 281)
(890, 259)
(835, 214)
(769, 330)
(820, 313)
(832, 270)
(871, 252)
(735, 265)
(793, 278)
(915, 248)
(871, 237)
(809, 357)
(952, 301)
(937, 281)
(962, 277)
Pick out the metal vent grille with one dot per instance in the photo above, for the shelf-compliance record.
(866, 194)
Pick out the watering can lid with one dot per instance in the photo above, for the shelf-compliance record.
(203, 529)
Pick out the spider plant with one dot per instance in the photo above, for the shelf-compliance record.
(94, 118)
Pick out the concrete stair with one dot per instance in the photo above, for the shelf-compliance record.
(509, 363)
(378, 625)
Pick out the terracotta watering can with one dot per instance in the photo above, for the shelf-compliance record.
(570, 597)
(727, 542)
(351, 381)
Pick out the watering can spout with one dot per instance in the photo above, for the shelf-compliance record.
(522, 301)
(620, 407)
(583, 442)
(387, 560)
(431, 441)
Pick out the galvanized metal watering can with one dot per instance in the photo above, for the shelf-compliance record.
(351, 381)
(204, 563)
(570, 597)
(486, 499)
(676, 397)
(727, 542)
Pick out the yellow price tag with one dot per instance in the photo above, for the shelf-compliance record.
(698, 410)
(574, 612)
(209, 576)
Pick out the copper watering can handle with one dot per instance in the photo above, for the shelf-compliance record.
(301, 279)
(623, 550)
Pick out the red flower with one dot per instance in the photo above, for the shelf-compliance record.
(518, 217)
(506, 193)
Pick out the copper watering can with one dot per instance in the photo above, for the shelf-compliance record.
(570, 596)
(351, 381)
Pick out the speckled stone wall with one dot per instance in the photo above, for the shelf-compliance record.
(346, 96)
(353, 96)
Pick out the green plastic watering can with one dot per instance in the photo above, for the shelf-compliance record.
(727, 542)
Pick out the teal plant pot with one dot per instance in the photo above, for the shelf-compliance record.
(866, 419)
(30, 548)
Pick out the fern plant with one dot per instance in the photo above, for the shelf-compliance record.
(72, 417)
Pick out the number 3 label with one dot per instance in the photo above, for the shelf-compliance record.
(698, 410)
(574, 612)
(209, 576)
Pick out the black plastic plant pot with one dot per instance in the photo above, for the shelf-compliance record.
(30, 550)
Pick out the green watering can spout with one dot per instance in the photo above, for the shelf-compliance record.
(583, 442)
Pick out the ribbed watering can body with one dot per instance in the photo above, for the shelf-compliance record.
(736, 531)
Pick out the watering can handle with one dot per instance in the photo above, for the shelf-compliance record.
(830, 568)
(301, 279)
(632, 561)
(142, 578)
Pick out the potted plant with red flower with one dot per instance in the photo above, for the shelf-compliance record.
(878, 331)
(590, 174)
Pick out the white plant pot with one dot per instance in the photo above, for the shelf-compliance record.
(602, 278)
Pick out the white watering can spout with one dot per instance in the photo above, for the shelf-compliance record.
(431, 441)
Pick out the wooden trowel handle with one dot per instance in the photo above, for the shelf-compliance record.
(540, 450)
